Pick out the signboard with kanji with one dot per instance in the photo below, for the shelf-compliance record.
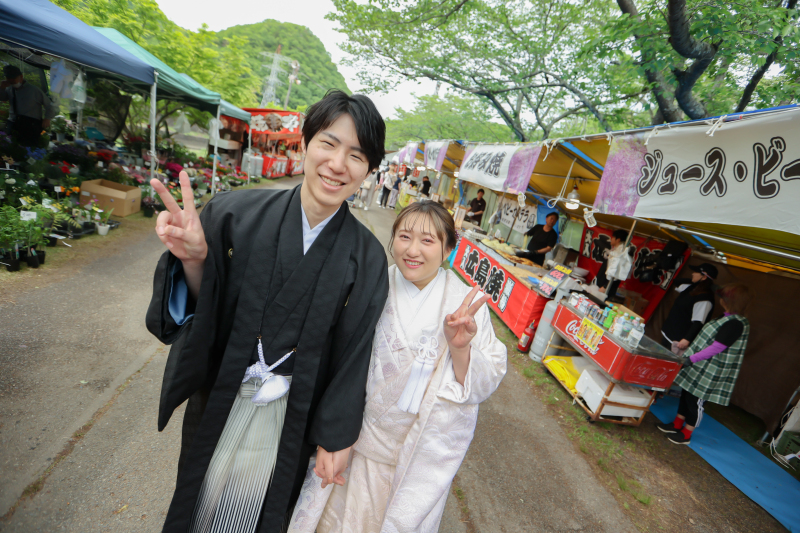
(553, 279)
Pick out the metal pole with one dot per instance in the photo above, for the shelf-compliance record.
(249, 151)
(153, 90)
(216, 147)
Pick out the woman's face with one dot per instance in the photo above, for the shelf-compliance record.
(697, 277)
(418, 250)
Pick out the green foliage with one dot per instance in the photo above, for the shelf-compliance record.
(446, 117)
(317, 72)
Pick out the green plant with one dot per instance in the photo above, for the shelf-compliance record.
(59, 125)
(105, 216)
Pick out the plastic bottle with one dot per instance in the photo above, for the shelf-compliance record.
(636, 334)
(604, 316)
(524, 344)
(616, 326)
(626, 328)
(612, 314)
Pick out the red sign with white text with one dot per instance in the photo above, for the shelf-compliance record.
(515, 304)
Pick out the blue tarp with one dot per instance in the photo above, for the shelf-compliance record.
(763, 481)
(45, 27)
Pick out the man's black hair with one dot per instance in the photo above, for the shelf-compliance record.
(480, 190)
(370, 128)
(551, 214)
(620, 234)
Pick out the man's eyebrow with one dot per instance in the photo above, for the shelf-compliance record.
(335, 138)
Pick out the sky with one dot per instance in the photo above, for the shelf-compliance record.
(191, 14)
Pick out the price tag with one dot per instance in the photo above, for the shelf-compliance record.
(126, 169)
(553, 279)
(521, 199)
(27, 215)
(58, 189)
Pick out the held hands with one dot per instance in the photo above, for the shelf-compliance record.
(330, 466)
(180, 229)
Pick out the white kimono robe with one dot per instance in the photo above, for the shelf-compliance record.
(403, 464)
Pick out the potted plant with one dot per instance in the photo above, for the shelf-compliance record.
(59, 126)
(102, 225)
(9, 232)
(148, 206)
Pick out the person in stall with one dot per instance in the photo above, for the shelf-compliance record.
(435, 359)
(270, 300)
(543, 238)
(691, 309)
(713, 361)
(426, 187)
(30, 109)
(476, 208)
(616, 265)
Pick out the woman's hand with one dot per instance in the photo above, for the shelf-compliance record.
(180, 231)
(683, 344)
(459, 329)
(330, 466)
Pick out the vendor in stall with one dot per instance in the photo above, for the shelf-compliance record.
(692, 307)
(30, 109)
(713, 362)
(543, 238)
(616, 266)
(476, 208)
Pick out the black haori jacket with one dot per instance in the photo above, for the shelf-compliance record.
(326, 303)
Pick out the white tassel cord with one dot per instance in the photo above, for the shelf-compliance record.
(421, 371)
(273, 386)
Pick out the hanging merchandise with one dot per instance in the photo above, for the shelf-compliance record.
(61, 79)
(79, 88)
(213, 130)
(182, 124)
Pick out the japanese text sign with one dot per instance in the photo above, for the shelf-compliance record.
(435, 153)
(500, 167)
(553, 279)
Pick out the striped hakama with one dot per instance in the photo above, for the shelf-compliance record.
(241, 468)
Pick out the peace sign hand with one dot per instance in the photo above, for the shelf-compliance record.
(180, 229)
(460, 327)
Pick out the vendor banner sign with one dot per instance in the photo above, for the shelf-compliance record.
(522, 218)
(745, 172)
(500, 167)
(410, 154)
(435, 153)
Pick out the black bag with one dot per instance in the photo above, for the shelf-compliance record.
(669, 256)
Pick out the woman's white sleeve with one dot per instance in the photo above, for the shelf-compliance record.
(487, 366)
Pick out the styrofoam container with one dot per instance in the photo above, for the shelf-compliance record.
(592, 386)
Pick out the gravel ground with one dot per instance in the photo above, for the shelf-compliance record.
(79, 349)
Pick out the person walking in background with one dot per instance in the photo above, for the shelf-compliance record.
(691, 309)
(368, 189)
(388, 182)
(713, 362)
(395, 192)
(476, 208)
(30, 110)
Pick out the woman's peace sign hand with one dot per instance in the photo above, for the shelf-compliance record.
(180, 229)
(460, 327)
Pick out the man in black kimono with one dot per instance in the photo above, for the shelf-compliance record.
(271, 273)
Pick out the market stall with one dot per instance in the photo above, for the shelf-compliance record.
(275, 136)
(227, 137)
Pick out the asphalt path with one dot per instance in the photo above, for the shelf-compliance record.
(79, 387)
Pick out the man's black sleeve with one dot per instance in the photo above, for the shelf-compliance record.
(552, 238)
(730, 332)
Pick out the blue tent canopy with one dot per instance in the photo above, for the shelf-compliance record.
(44, 27)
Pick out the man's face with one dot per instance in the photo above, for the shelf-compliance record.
(15, 81)
(335, 164)
(614, 241)
(551, 221)
(480, 195)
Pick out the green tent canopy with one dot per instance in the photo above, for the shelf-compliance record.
(171, 85)
(230, 110)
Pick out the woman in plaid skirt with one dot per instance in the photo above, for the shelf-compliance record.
(713, 361)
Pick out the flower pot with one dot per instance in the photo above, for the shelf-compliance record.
(32, 261)
(148, 212)
(41, 254)
(51, 241)
(60, 137)
(12, 264)
(102, 229)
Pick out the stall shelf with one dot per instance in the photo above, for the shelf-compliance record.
(512, 296)
(649, 365)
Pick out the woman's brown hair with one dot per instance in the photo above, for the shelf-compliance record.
(443, 224)
(736, 296)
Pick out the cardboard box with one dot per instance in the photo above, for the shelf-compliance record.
(592, 386)
(123, 199)
(635, 302)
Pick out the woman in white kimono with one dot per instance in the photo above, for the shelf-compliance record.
(435, 357)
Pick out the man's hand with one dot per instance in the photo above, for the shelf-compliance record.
(683, 344)
(330, 466)
(46, 123)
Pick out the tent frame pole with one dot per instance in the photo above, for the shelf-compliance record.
(249, 151)
(216, 147)
(153, 155)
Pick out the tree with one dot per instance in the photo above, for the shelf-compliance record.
(523, 57)
(707, 58)
(447, 117)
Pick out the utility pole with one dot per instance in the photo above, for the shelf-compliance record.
(292, 79)
(272, 81)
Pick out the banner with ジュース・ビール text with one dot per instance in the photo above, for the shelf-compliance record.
(500, 167)
(523, 218)
(746, 174)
